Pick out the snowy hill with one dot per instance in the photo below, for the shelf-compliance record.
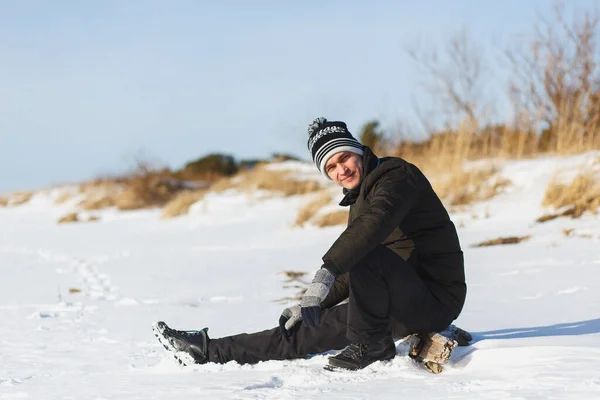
(77, 300)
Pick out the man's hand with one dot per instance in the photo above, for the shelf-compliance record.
(311, 301)
(288, 319)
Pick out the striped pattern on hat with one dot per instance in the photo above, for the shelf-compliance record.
(326, 138)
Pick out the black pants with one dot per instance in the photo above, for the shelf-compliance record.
(387, 297)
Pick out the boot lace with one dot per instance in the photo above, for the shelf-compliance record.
(193, 337)
(188, 334)
(354, 351)
(191, 333)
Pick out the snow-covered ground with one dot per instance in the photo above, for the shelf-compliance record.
(533, 308)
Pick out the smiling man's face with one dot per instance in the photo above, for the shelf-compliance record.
(345, 168)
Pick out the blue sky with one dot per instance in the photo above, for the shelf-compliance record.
(86, 87)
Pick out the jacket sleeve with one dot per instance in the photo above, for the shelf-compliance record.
(339, 292)
(391, 199)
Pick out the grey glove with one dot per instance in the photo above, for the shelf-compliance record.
(311, 301)
(288, 319)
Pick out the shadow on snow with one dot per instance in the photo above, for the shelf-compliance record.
(567, 329)
(462, 355)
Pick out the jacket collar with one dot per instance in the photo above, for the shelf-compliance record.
(370, 162)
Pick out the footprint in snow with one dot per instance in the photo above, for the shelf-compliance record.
(273, 383)
(43, 315)
(97, 285)
(5, 382)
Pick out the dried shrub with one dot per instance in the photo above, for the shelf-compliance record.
(101, 185)
(100, 203)
(554, 84)
(281, 157)
(181, 203)
(100, 193)
(311, 208)
(569, 212)
(147, 189)
(332, 219)
(570, 232)
(580, 195)
(18, 198)
(64, 197)
(68, 218)
(293, 275)
(503, 240)
(293, 282)
(462, 187)
(552, 87)
(76, 217)
(275, 181)
(210, 167)
(547, 217)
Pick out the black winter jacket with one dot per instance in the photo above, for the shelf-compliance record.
(396, 206)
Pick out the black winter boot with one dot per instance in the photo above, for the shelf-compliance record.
(358, 356)
(189, 347)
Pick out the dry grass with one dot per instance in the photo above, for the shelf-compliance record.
(181, 203)
(569, 212)
(308, 211)
(76, 217)
(552, 87)
(19, 198)
(293, 281)
(147, 190)
(101, 186)
(502, 241)
(462, 187)
(293, 275)
(580, 195)
(448, 150)
(332, 219)
(547, 217)
(15, 199)
(64, 197)
(274, 181)
(568, 231)
(99, 194)
(142, 189)
(68, 218)
(98, 203)
(444, 155)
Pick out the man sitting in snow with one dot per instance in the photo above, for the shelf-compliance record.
(398, 262)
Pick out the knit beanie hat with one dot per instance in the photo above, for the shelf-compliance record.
(325, 138)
